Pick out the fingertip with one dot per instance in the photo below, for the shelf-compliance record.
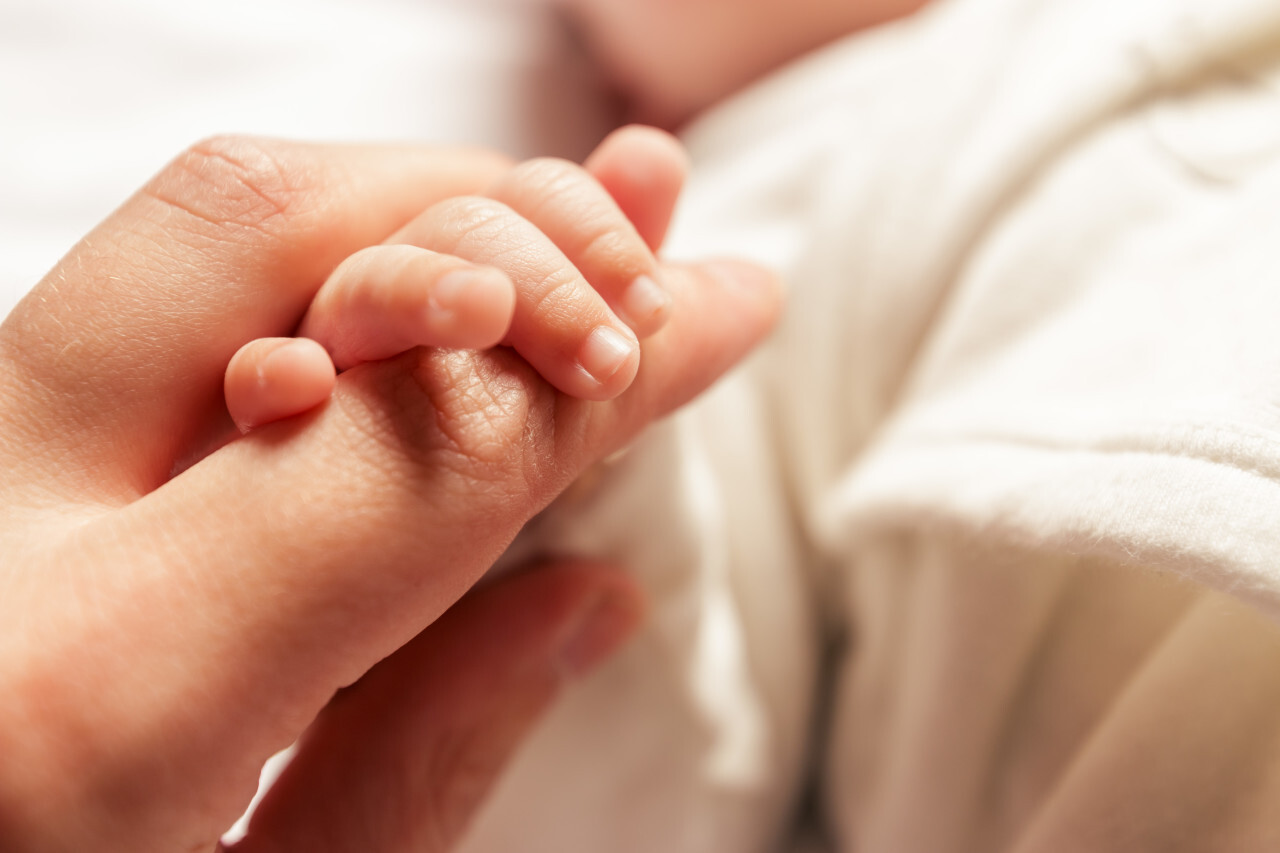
(470, 307)
(608, 360)
(644, 170)
(275, 378)
(640, 145)
(304, 364)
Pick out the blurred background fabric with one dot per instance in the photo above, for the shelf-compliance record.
(95, 97)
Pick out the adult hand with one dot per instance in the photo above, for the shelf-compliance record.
(164, 634)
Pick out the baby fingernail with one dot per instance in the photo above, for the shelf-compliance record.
(644, 301)
(293, 358)
(285, 357)
(448, 290)
(605, 352)
(456, 287)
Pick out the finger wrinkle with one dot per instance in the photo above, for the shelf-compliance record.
(501, 424)
(478, 229)
(234, 183)
(614, 248)
(557, 301)
(433, 424)
(541, 182)
(480, 415)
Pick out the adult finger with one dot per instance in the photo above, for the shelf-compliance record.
(403, 759)
(124, 344)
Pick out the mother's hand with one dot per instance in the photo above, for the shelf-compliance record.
(164, 634)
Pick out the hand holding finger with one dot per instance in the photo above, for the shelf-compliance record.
(126, 342)
(385, 300)
(286, 564)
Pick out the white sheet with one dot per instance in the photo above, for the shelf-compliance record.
(97, 96)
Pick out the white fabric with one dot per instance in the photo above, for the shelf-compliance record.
(98, 96)
(1025, 391)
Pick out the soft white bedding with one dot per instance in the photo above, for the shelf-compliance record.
(97, 96)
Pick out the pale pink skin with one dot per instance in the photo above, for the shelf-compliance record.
(674, 58)
(564, 272)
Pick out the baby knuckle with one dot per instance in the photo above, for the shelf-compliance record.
(234, 182)
(587, 223)
(552, 192)
(476, 227)
(558, 298)
(481, 417)
(608, 242)
(544, 177)
(476, 425)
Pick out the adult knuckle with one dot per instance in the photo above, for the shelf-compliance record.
(467, 754)
(235, 183)
(459, 769)
(462, 762)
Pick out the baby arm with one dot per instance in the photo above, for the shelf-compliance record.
(555, 261)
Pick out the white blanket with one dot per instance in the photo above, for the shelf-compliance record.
(1020, 419)
(98, 96)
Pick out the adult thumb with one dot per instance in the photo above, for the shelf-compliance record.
(405, 757)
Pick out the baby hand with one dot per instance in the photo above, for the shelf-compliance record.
(555, 260)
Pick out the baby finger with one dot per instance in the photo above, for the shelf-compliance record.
(385, 300)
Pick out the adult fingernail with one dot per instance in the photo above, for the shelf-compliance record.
(645, 302)
(605, 352)
(599, 632)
